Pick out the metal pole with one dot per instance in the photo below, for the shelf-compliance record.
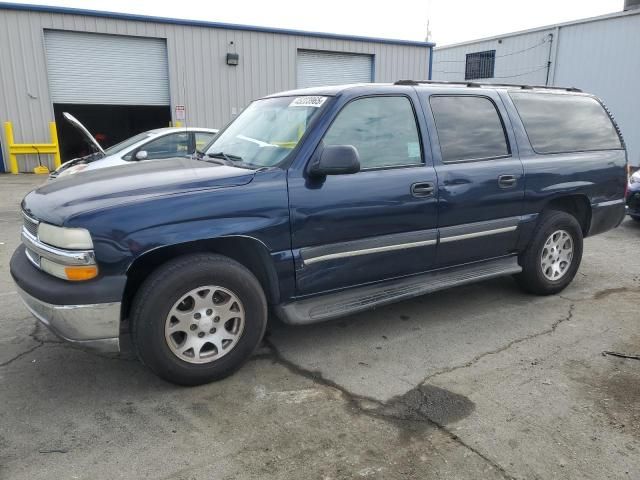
(549, 59)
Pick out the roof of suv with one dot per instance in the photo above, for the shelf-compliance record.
(336, 89)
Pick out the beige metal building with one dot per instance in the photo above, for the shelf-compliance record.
(121, 74)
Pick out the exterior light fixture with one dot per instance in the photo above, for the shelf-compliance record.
(233, 59)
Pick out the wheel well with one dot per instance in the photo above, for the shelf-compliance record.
(576, 205)
(247, 251)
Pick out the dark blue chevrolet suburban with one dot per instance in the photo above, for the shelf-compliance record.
(318, 203)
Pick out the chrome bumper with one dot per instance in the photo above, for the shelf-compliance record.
(95, 327)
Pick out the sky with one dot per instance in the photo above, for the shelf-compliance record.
(451, 21)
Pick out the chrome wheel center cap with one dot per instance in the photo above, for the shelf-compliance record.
(205, 323)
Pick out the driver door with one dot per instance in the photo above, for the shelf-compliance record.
(376, 224)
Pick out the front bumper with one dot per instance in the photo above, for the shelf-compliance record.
(95, 327)
(87, 314)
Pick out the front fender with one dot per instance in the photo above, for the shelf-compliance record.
(259, 210)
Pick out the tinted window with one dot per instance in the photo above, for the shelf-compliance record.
(469, 128)
(383, 129)
(565, 123)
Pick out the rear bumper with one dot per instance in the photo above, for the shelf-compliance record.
(606, 215)
(86, 314)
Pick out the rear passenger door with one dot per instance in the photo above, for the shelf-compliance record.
(480, 176)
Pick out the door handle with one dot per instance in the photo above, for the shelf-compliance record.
(507, 181)
(422, 189)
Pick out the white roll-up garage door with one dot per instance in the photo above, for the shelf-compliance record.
(317, 68)
(90, 68)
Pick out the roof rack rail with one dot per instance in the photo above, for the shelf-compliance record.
(476, 85)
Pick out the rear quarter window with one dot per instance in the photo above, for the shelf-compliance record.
(561, 123)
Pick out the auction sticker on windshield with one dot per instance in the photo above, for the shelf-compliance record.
(312, 101)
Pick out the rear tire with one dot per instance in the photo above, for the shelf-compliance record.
(553, 257)
(198, 318)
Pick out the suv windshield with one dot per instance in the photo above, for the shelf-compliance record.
(267, 130)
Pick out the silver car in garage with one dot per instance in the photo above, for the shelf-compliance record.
(150, 145)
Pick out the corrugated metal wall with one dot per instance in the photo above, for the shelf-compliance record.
(604, 58)
(519, 59)
(600, 57)
(198, 75)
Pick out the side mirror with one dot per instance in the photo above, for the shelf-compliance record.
(336, 160)
(141, 155)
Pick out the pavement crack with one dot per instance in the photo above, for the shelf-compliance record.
(507, 346)
(632, 356)
(21, 354)
(413, 408)
(315, 376)
(461, 442)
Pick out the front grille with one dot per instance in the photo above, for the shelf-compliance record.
(30, 224)
(633, 202)
(33, 257)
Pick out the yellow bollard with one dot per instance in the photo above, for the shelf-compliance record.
(15, 149)
(13, 160)
(54, 141)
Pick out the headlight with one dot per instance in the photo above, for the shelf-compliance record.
(69, 238)
(73, 169)
(635, 178)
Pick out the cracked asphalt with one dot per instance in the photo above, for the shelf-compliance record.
(478, 382)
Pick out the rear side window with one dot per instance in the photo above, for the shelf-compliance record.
(565, 123)
(383, 130)
(469, 128)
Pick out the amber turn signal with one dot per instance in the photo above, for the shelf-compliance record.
(81, 273)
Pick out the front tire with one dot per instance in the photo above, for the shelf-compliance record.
(198, 318)
(553, 257)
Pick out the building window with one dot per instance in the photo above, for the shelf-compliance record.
(480, 65)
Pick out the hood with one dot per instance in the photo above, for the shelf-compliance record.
(90, 139)
(55, 202)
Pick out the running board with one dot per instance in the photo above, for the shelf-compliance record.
(346, 302)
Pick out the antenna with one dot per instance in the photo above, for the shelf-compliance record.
(428, 37)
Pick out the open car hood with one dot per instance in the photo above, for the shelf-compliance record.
(83, 131)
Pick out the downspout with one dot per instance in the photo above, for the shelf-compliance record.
(555, 56)
(430, 60)
(549, 59)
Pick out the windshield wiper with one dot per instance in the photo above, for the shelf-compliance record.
(227, 159)
(227, 156)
